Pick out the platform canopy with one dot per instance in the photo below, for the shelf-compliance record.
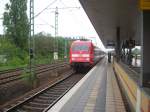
(107, 15)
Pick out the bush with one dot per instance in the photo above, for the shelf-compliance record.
(15, 57)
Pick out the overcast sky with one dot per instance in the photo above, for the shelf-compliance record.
(71, 21)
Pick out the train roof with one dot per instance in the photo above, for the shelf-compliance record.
(81, 41)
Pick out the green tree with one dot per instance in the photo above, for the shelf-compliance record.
(16, 22)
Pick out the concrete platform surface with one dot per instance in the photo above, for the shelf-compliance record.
(96, 92)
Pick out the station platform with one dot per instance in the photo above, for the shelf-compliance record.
(98, 91)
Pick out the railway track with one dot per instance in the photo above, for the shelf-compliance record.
(43, 100)
(14, 75)
(10, 70)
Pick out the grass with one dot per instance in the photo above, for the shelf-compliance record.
(11, 67)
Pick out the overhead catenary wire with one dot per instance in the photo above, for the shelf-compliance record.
(76, 19)
(78, 7)
(45, 8)
(47, 23)
(63, 7)
(66, 8)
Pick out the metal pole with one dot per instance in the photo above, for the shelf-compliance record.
(31, 43)
(65, 49)
(56, 34)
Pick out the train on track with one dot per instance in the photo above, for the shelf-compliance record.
(83, 54)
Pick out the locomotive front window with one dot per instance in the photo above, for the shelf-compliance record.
(80, 48)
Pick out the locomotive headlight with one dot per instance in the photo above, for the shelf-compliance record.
(87, 59)
(85, 55)
(75, 55)
(73, 59)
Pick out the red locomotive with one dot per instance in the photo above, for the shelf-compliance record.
(82, 54)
